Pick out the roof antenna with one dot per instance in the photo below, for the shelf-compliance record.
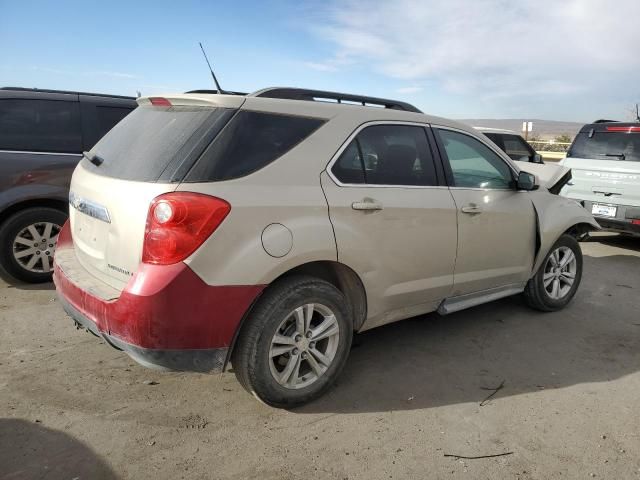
(215, 80)
(637, 114)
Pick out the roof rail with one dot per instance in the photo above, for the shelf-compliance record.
(215, 92)
(46, 90)
(323, 96)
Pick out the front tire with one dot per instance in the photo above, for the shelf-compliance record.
(28, 241)
(295, 342)
(558, 278)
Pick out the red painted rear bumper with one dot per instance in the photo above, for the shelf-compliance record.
(162, 308)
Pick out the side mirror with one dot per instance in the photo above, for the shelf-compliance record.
(537, 158)
(527, 181)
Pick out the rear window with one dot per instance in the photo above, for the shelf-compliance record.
(109, 116)
(153, 143)
(606, 146)
(251, 141)
(40, 125)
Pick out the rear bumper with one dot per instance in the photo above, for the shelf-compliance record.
(166, 317)
(620, 226)
(201, 360)
(622, 222)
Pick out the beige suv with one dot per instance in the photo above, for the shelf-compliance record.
(264, 230)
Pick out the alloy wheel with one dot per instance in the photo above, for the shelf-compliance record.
(304, 346)
(560, 272)
(34, 246)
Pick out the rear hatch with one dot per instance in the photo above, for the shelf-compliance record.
(605, 165)
(145, 155)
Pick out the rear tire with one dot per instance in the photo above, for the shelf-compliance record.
(558, 278)
(19, 234)
(295, 342)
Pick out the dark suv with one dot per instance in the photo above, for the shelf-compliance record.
(42, 136)
(512, 144)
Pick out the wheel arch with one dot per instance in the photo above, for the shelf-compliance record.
(14, 208)
(580, 229)
(548, 236)
(338, 274)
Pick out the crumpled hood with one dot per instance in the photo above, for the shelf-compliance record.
(550, 176)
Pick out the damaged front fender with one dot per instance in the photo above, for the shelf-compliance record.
(557, 215)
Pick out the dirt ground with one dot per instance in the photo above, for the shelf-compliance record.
(71, 407)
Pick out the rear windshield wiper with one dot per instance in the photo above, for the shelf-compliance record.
(93, 158)
(618, 155)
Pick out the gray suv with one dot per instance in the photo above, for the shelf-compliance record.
(42, 136)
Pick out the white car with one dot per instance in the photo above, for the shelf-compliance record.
(605, 162)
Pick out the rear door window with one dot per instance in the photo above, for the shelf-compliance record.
(152, 143)
(387, 155)
(607, 146)
(40, 125)
(249, 142)
(349, 168)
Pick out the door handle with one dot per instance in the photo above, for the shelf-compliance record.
(471, 209)
(366, 204)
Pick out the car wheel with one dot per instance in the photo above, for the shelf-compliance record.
(558, 278)
(294, 343)
(28, 241)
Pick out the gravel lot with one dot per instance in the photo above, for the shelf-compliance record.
(72, 407)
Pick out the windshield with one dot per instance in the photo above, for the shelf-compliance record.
(607, 146)
(152, 141)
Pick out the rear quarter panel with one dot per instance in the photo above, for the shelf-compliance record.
(234, 254)
(287, 192)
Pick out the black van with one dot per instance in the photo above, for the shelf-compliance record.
(42, 136)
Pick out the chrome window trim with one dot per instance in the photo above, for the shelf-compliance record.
(350, 138)
(41, 153)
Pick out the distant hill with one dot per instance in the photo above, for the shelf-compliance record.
(542, 128)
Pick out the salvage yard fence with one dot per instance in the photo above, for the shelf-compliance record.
(549, 146)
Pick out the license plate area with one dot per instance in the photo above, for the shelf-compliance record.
(604, 210)
(90, 235)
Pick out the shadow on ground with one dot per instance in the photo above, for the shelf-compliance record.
(620, 241)
(31, 451)
(13, 283)
(431, 360)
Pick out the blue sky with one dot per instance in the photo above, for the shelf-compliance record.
(572, 60)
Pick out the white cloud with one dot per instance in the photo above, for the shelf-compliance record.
(412, 89)
(493, 48)
(321, 66)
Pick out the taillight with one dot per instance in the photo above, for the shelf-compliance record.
(635, 222)
(624, 129)
(178, 223)
(159, 102)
